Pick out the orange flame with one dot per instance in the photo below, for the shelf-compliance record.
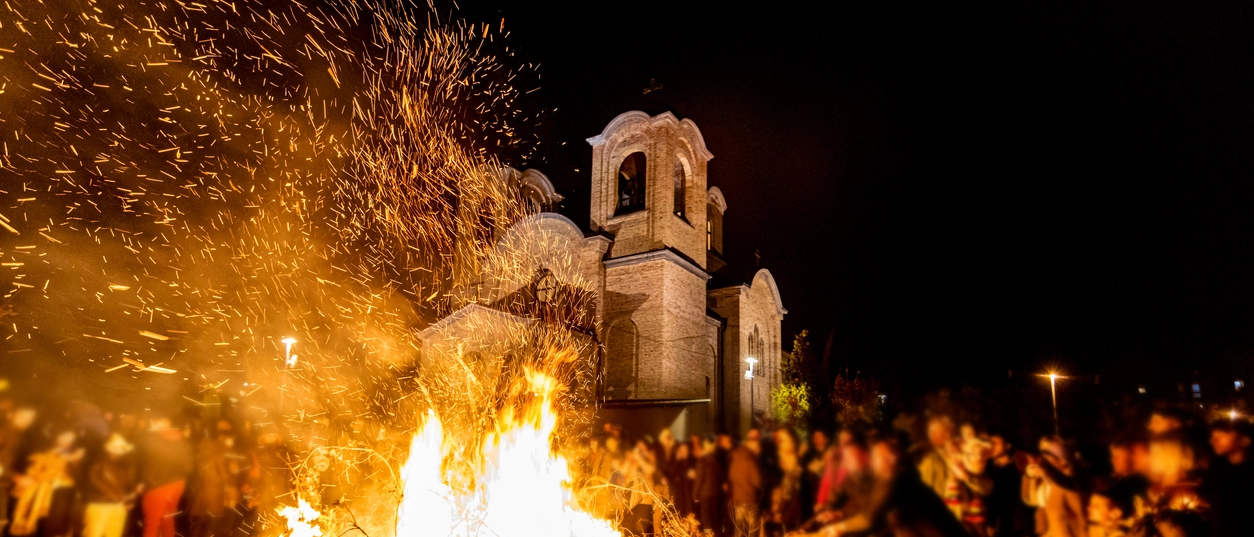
(300, 520)
(523, 486)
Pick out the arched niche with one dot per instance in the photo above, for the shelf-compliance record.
(632, 183)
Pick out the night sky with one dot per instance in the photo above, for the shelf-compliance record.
(951, 191)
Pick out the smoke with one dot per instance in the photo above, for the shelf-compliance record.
(185, 185)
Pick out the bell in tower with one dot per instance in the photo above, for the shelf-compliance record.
(648, 193)
(648, 185)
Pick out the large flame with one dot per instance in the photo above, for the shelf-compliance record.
(522, 487)
(301, 520)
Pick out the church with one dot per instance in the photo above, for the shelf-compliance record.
(685, 341)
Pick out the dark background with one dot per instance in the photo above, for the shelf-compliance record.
(950, 191)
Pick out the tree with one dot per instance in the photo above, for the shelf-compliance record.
(802, 369)
(793, 370)
(790, 405)
(855, 400)
(842, 398)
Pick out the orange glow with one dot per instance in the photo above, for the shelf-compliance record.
(301, 520)
(522, 487)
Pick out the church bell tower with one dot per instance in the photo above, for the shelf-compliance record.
(649, 185)
(649, 194)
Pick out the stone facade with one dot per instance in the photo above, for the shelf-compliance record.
(753, 314)
(657, 280)
(672, 149)
(675, 346)
(663, 296)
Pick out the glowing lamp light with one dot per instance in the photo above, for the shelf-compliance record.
(289, 358)
(1232, 414)
(1053, 377)
(289, 361)
(749, 377)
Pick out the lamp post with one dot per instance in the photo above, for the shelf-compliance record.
(289, 360)
(749, 375)
(1053, 396)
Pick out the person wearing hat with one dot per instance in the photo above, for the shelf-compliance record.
(111, 484)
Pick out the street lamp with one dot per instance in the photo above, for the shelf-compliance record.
(287, 352)
(1053, 395)
(749, 376)
(289, 360)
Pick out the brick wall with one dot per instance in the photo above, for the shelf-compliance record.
(665, 141)
(666, 302)
(744, 307)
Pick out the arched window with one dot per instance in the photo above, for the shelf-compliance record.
(764, 366)
(632, 182)
(713, 229)
(775, 356)
(681, 187)
(754, 350)
(768, 343)
(772, 370)
(622, 350)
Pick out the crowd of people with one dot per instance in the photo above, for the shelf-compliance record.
(1177, 477)
(89, 473)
